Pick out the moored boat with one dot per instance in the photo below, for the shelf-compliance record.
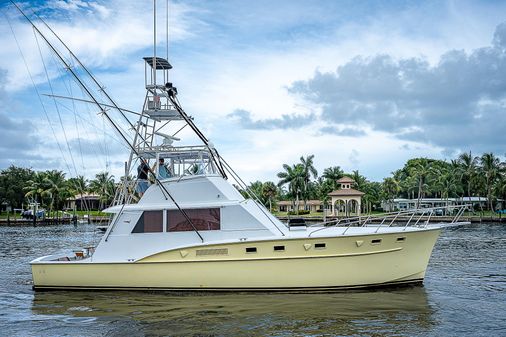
(182, 226)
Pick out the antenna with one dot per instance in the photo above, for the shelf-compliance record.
(167, 139)
(154, 43)
(167, 31)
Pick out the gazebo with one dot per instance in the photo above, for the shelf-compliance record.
(346, 198)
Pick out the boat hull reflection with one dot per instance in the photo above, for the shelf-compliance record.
(394, 312)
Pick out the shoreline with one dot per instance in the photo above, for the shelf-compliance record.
(100, 220)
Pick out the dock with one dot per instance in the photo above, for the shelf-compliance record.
(309, 219)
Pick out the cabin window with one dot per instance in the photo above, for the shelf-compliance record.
(320, 245)
(149, 222)
(375, 241)
(205, 219)
(251, 249)
(279, 248)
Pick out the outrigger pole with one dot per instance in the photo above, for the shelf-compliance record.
(118, 130)
(216, 157)
(214, 153)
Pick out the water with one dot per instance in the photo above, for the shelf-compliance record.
(464, 295)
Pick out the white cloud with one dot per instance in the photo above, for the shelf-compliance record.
(104, 36)
(229, 57)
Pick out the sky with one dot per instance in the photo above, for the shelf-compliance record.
(364, 85)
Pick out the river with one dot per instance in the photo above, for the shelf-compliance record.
(464, 294)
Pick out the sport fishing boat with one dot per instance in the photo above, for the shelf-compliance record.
(190, 229)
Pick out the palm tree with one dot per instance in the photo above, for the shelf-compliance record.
(446, 182)
(56, 189)
(36, 187)
(333, 174)
(490, 165)
(323, 188)
(421, 170)
(308, 171)
(360, 180)
(372, 195)
(390, 189)
(409, 185)
(78, 186)
(269, 191)
(104, 186)
(468, 167)
(500, 189)
(294, 177)
(257, 189)
(360, 184)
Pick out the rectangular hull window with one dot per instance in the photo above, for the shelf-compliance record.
(205, 219)
(149, 222)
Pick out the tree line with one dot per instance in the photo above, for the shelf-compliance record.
(20, 186)
(464, 176)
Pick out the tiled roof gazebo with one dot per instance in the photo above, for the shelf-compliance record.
(346, 196)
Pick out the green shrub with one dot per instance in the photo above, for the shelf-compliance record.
(301, 212)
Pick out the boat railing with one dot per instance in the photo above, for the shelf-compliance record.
(182, 160)
(419, 217)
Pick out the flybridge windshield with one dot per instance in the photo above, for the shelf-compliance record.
(181, 161)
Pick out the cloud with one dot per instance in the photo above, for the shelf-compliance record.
(458, 103)
(342, 131)
(20, 141)
(237, 61)
(69, 5)
(285, 122)
(17, 136)
(104, 35)
(354, 157)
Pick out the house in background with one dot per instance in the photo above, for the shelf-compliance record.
(343, 201)
(404, 204)
(83, 202)
(311, 205)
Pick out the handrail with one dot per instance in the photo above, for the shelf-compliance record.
(373, 219)
(428, 219)
(411, 218)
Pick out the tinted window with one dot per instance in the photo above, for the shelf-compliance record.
(149, 222)
(203, 219)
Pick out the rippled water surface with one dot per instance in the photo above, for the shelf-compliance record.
(464, 295)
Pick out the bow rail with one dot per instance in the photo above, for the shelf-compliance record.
(419, 217)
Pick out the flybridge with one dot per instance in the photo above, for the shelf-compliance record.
(152, 137)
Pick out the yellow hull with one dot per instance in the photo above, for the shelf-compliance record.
(304, 264)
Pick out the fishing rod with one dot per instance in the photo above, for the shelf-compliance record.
(88, 101)
(95, 101)
(171, 92)
(176, 105)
